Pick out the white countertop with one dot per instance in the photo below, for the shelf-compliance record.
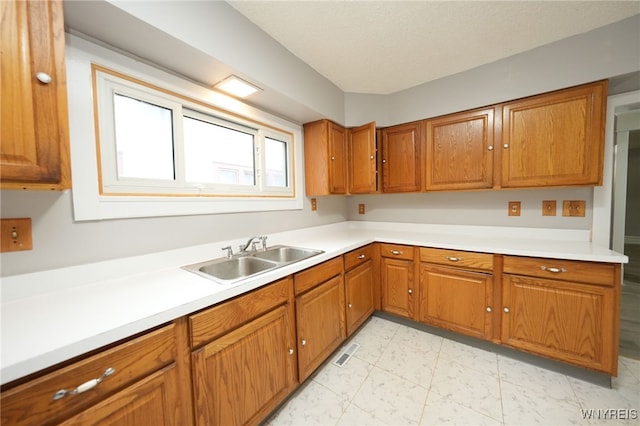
(51, 316)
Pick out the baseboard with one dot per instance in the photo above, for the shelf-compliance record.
(632, 239)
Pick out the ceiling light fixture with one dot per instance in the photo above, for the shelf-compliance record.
(236, 86)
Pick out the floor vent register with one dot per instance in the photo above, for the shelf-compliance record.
(342, 359)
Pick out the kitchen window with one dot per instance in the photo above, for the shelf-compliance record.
(159, 145)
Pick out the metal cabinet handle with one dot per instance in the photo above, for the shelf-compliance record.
(506, 310)
(371, 157)
(85, 386)
(384, 161)
(453, 258)
(303, 342)
(396, 252)
(291, 351)
(410, 291)
(333, 158)
(490, 148)
(43, 77)
(506, 145)
(350, 305)
(553, 269)
(362, 256)
(489, 309)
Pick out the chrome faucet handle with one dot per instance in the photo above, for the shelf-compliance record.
(229, 251)
(264, 242)
(254, 246)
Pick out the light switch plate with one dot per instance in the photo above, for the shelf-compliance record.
(16, 234)
(514, 208)
(549, 208)
(314, 205)
(574, 208)
(360, 208)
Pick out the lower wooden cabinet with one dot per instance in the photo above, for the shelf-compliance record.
(398, 283)
(320, 314)
(456, 291)
(359, 290)
(137, 384)
(249, 367)
(565, 310)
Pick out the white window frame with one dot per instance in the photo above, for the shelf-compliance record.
(96, 190)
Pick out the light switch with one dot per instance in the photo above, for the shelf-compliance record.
(514, 208)
(575, 208)
(16, 234)
(549, 208)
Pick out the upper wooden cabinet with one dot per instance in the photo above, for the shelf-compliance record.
(459, 151)
(554, 139)
(363, 164)
(401, 160)
(34, 153)
(325, 158)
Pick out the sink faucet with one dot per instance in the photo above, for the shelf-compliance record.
(243, 248)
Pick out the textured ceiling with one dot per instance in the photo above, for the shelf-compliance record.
(383, 47)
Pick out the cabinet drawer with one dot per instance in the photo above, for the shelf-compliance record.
(315, 275)
(213, 322)
(566, 270)
(467, 259)
(396, 251)
(32, 402)
(358, 256)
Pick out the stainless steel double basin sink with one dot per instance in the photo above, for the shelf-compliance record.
(229, 270)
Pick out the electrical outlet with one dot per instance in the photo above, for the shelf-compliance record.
(549, 208)
(514, 208)
(360, 208)
(16, 234)
(574, 208)
(314, 205)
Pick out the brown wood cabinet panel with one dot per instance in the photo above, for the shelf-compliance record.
(359, 295)
(242, 376)
(457, 258)
(32, 403)
(396, 251)
(567, 321)
(34, 153)
(401, 158)
(554, 139)
(320, 321)
(459, 151)
(358, 256)
(325, 158)
(456, 299)
(564, 270)
(363, 167)
(318, 274)
(398, 287)
(213, 322)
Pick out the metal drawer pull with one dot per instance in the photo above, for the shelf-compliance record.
(362, 256)
(453, 258)
(85, 386)
(553, 270)
(396, 252)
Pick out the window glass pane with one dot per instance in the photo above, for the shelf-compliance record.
(218, 154)
(276, 162)
(144, 139)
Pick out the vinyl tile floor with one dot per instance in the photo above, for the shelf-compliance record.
(403, 376)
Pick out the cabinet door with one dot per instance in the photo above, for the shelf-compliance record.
(320, 323)
(242, 376)
(151, 401)
(555, 139)
(398, 287)
(459, 151)
(337, 159)
(359, 295)
(568, 321)
(401, 160)
(363, 170)
(34, 149)
(456, 299)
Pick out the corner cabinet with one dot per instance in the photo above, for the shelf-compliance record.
(325, 158)
(397, 267)
(554, 139)
(363, 159)
(320, 314)
(566, 310)
(133, 383)
(459, 151)
(401, 158)
(34, 153)
(456, 291)
(244, 361)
